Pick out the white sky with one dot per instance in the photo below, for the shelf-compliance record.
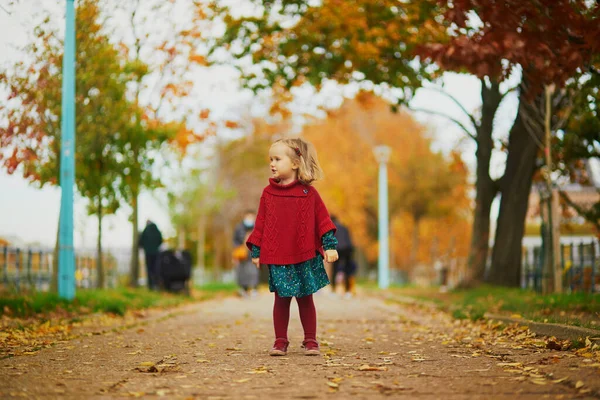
(31, 215)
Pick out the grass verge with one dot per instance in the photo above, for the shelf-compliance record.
(115, 301)
(579, 309)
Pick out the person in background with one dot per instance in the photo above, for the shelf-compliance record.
(344, 264)
(247, 273)
(150, 241)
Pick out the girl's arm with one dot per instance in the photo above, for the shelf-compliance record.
(329, 245)
(255, 251)
(329, 241)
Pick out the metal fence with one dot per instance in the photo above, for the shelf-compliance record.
(31, 269)
(580, 264)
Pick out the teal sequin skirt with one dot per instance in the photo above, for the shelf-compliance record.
(298, 280)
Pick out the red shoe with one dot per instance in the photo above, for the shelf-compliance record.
(311, 347)
(280, 347)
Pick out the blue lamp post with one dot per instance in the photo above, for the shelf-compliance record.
(382, 154)
(66, 255)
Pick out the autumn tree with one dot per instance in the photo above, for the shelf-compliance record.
(31, 140)
(580, 137)
(424, 187)
(362, 42)
(548, 45)
(295, 41)
(161, 61)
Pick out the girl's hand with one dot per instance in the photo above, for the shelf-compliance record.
(331, 256)
(256, 261)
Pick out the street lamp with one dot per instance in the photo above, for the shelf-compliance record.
(382, 154)
(66, 255)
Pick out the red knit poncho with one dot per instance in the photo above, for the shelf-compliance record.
(290, 222)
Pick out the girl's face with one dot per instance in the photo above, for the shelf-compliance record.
(282, 166)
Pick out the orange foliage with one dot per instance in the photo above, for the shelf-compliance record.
(345, 141)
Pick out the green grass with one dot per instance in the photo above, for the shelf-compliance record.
(116, 301)
(218, 287)
(581, 309)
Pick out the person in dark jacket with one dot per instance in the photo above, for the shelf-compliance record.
(247, 273)
(345, 249)
(150, 241)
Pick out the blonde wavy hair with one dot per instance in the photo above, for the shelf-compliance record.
(304, 154)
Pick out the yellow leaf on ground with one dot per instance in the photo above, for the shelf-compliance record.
(367, 367)
(579, 385)
(507, 364)
(242, 380)
(258, 370)
(146, 364)
(594, 365)
(333, 385)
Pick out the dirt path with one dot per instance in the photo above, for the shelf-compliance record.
(370, 350)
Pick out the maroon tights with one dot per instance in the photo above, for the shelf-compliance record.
(308, 316)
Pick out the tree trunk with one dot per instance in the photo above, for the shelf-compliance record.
(136, 174)
(99, 266)
(523, 147)
(201, 228)
(228, 246)
(485, 187)
(218, 263)
(414, 251)
(135, 261)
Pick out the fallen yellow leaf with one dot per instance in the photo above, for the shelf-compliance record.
(146, 364)
(367, 367)
(579, 385)
(507, 364)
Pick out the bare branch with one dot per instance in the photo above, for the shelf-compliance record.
(512, 89)
(455, 101)
(580, 210)
(457, 122)
(5, 10)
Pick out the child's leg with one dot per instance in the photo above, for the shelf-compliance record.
(281, 315)
(308, 316)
